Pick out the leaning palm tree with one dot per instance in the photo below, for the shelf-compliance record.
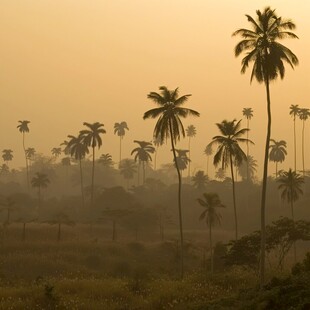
(191, 133)
(230, 152)
(39, 181)
(277, 152)
(262, 48)
(303, 115)
(119, 129)
(143, 154)
(248, 114)
(210, 202)
(7, 155)
(23, 128)
(169, 125)
(91, 137)
(78, 150)
(290, 185)
(294, 111)
(208, 152)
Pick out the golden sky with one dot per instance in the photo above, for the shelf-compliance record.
(63, 62)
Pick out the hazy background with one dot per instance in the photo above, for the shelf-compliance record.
(63, 62)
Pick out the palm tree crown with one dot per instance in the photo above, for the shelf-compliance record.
(56, 151)
(23, 126)
(277, 151)
(294, 110)
(7, 155)
(91, 136)
(119, 129)
(247, 113)
(76, 148)
(143, 151)
(199, 180)
(40, 180)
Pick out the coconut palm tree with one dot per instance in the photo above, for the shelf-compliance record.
(191, 133)
(56, 151)
(277, 152)
(290, 186)
(230, 152)
(303, 114)
(143, 154)
(91, 137)
(182, 159)
(294, 111)
(78, 151)
(106, 160)
(119, 129)
(39, 181)
(128, 168)
(248, 114)
(208, 152)
(169, 125)
(200, 180)
(23, 128)
(262, 48)
(7, 155)
(211, 202)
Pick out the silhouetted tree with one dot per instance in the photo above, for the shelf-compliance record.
(119, 129)
(200, 180)
(127, 169)
(182, 159)
(39, 181)
(277, 152)
(248, 114)
(303, 115)
(7, 155)
(30, 154)
(208, 152)
(260, 43)
(169, 125)
(106, 160)
(191, 133)
(56, 151)
(294, 111)
(247, 169)
(157, 143)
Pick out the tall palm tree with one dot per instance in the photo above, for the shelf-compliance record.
(303, 114)
(262, 48)
(294, 111)
(119, 129)
(230, 152)
(23, 128)
(56, 151)
(143, 153)
(208, 152)
(30, 153)
(248, 114)
(200, 180)
(290, 185)
(128, 168)
(191, 133)
(169, 125)
(78, 150)
(7, 155)
(277, 152)
(91, 137)
(40, 180)
(211, 202)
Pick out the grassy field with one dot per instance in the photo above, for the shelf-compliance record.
(85, 270)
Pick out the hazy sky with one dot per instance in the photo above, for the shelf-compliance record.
(63, 62)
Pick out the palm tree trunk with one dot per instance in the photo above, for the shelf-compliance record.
(303, 147)
(179, 199)
(143, 168)
(264, 188)
(293, 218)
(247, 150)
(27, 169)
(276, 169)
(92, 180)
(120, 149)
(207, 165)
(234, 196)
(189, 157)
(211, 248)
(295, 143)
(82, 184)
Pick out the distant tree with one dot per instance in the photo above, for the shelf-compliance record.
(210, 202)
(220, 174)
(247, 169)
(208, 152)
(200, 180)
(65, 150)
(157, 143)
(277, 152)
(56, 151)
(303, 115)
(7, 155)
(169, 125)
(30, 154)
(23, 128)
(248, 114)
(106, 160)
(78, 151)
(60, 219)
(294, 111)
(4, 169)
(40, 181)
(8, 204)
(290, 184)
(143, 153)
(128, 168)
(91, 137)
(191, 133)
(230, 152)
(182, 159)
(120, 130)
